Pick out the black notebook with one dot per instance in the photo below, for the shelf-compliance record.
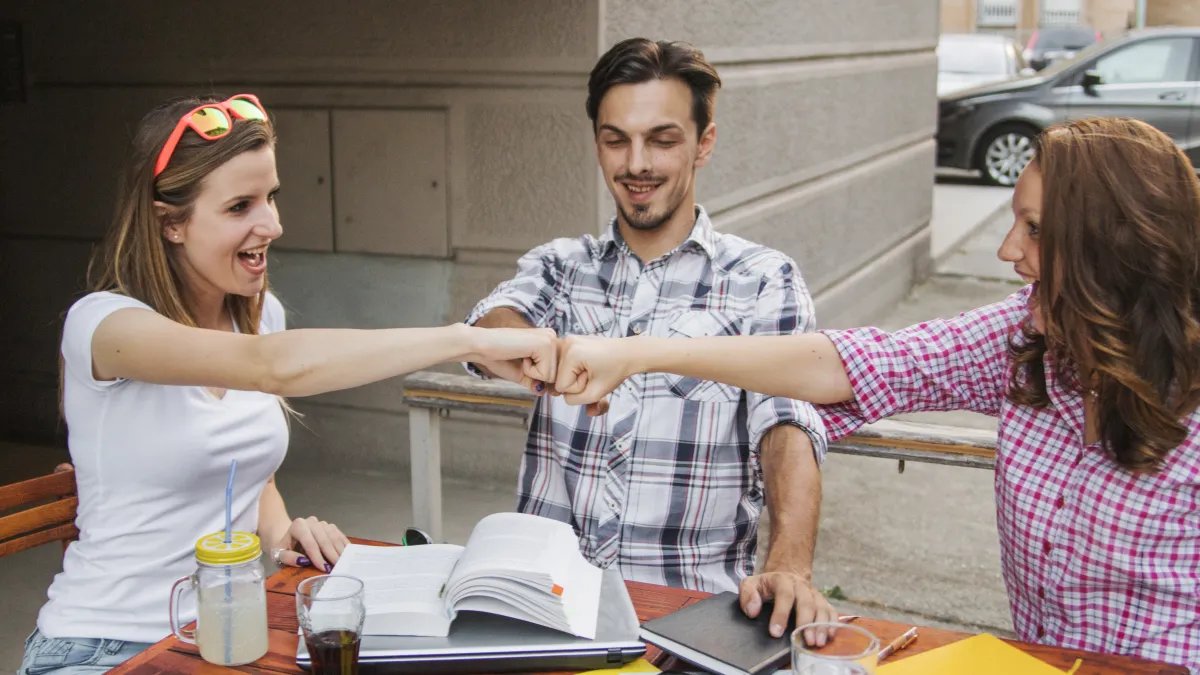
(717, 636)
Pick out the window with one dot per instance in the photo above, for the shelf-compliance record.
(996, 14)
(1071, 39)
(1153, 61)
(1060, 12)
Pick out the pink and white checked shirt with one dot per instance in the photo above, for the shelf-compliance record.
(1094, 557)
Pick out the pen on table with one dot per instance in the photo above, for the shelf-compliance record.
(898, 644)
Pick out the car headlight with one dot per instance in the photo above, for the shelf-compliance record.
(951, 111)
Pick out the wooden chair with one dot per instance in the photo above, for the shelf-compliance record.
(45, 511)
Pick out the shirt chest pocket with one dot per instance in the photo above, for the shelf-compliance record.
(701, 324)
(597, 320)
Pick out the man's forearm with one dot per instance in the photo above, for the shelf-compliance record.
(793, 493)
(501, 317)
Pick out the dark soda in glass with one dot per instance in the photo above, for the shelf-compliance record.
(333, 652)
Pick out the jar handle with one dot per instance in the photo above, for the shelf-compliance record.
(185, 636)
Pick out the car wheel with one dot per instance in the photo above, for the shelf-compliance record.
(1004, 153)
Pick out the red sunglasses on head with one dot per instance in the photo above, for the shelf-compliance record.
(211, 121)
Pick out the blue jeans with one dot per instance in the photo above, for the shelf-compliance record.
(75, 656)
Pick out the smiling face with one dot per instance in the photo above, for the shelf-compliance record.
(222, 247)
(1021, 245)
(649, 150)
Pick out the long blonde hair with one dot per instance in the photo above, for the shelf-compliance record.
(133, 259)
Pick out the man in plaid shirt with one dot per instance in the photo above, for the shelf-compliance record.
(669, 484)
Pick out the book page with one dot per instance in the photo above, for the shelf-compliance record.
(514, 542)
(527, 568)
(403, 586)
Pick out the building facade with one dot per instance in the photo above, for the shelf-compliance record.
(424, 146)
(1019, 18)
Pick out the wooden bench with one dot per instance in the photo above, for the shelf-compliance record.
(430, 396)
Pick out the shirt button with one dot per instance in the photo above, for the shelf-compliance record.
(1041, 593)
(1041, 632)
(637, 329)
(1047, 547)
(1059, 503)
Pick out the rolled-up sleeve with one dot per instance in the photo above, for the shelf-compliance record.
(784, 307)
(944, 364)
(531, 293)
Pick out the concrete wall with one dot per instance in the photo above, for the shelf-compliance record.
(823, 134)
(424, 146)
(958, 16)
(1172, 13)
(1110, 17)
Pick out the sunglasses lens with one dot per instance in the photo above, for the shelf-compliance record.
(247, 110)
(211, 122)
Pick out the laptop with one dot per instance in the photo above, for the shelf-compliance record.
(481, 642)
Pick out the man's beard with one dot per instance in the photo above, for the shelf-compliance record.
(641, 218)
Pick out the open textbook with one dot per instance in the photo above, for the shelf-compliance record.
(516, 565)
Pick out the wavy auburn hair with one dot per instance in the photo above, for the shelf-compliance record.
(1120, 285)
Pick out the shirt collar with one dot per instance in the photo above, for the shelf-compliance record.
(702, 237)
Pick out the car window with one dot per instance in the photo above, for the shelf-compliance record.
(974, 57)
(1064, 38)
(1152, 61)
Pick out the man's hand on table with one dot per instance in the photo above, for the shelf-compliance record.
(791, 591)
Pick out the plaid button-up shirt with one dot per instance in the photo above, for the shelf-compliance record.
(1094, 557)
(667, 485)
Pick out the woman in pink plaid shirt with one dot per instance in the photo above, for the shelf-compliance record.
(1093, 370)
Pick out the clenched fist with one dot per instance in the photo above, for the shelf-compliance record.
(590, 368)
(527, 356)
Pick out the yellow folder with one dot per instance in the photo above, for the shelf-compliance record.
(978, 655)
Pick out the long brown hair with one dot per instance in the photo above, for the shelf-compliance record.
(133, 259)
(1119, 287)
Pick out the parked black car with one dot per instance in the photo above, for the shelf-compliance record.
(1152, 75)
(1056, 43)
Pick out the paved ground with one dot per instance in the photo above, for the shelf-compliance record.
(959, 209)
(919, 546)
(923, 545)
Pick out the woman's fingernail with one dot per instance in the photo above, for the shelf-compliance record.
(303, 562)
(328, 568)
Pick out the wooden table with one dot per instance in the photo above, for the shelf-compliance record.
(651, 602)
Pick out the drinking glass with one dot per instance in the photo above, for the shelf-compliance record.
(848, 650)
(331, 610)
